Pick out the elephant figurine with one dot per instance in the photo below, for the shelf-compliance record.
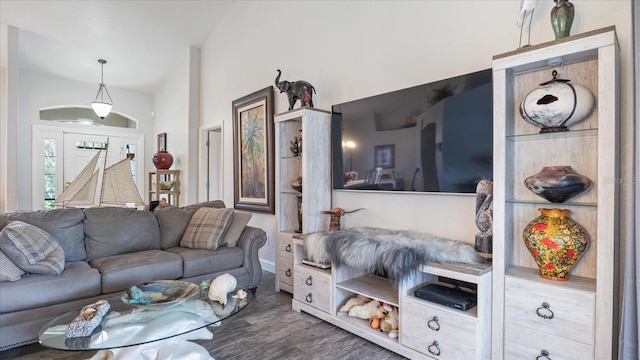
(296, 90)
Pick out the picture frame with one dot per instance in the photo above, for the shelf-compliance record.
(253, 152)
(385, 156)
(162, 142)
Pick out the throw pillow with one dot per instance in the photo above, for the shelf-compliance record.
(240, 220)
(210, 204)
(64, 225)
(8, 270)
(31, 248)
(173, 222)
(207, 228)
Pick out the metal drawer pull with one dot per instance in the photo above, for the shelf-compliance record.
(309, 281)
(544, 311)
(288, 248)
(433, 324)
(288, 272)
(434, 349)
(309, 298)
(544, 354)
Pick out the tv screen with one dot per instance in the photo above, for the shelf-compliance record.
(436, 137)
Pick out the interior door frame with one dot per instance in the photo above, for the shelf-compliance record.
(209, 160)
(42, 131)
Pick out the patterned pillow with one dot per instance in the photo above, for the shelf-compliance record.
(31, 248)
(8, 270)
(207, 228)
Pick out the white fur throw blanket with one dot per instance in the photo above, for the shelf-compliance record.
(394, 254)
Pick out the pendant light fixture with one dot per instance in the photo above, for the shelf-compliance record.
(100, 105)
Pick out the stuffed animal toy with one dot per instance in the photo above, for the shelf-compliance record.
(368, 311)
(390, 323)
(353, 301)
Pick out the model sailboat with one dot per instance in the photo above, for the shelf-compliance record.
(98, 185)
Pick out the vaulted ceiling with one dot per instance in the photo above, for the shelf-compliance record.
(142, 41)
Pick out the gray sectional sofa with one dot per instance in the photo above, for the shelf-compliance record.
(107, 250)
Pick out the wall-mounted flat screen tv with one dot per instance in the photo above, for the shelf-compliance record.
(436, 137)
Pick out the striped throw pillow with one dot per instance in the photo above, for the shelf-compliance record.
(8, 270)
(31, 248)
(207, 228)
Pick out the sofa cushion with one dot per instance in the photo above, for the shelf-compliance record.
(119, 272)
(8, 270)
(240, 220)
(173, 222)
(31, 248)
(65, 225)
(207, 228)
(199, 262)
(77, 281)
(111, 231)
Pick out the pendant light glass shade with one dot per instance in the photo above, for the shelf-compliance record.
(101, 105)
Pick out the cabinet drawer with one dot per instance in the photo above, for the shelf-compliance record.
(312, 287)
(553, 310)
(523, 343)
(454, 334)
(285, 243)
(285, 268)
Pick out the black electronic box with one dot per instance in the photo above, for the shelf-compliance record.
(447, 296)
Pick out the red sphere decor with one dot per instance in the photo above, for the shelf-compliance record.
(162, 160)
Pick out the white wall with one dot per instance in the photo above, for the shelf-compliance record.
(177, 113)
(36, 91)
(354, 49)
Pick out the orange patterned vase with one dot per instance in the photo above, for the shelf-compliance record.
(556, 242)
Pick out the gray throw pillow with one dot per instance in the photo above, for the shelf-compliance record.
(240, 220)
(218, 204)
(65, 225)
(111, 231)
(173, 222)
(31, 249)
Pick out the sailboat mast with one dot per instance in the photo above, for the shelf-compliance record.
(104, 167)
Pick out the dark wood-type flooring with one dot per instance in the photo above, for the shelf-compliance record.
(266, 329)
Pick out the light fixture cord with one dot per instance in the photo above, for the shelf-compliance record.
(103, 86)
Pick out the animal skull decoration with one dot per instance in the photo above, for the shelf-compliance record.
(336, 214)
(296, 90)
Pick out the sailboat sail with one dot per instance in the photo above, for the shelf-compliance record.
(100, 186)
(82, 190)
(119, 188)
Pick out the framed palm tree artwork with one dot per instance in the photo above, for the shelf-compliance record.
(253, 152)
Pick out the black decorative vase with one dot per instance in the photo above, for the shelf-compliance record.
(299, 214)
(557, 184)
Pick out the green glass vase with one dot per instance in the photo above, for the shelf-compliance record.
(562, 18)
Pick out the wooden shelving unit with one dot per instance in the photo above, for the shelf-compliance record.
(314, 165)
(462, 334)
(155, 193)
(584, 324)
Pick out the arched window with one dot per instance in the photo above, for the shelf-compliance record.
(85, 115)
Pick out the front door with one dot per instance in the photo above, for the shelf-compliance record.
(79, 149)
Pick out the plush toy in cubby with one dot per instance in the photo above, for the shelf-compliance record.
(380, 315)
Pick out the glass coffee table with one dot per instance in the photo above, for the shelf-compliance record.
(126, 330)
